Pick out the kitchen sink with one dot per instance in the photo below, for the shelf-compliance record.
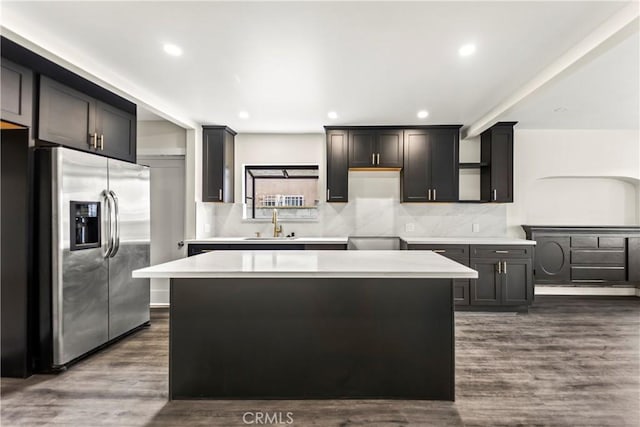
(270, 238)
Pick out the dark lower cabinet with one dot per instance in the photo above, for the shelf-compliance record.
(461, 292)
(17, 93)
(217, 164)
(633, 259)
(200, 248)
(486, 289)
(502, 282)
(337, 166)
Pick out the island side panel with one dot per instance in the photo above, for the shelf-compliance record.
(276, 338)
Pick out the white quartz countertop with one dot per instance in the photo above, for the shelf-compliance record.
(270, 240)
(327, 264)
(467, 241)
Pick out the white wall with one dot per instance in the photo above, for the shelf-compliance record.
(575, 177)
(160, 137)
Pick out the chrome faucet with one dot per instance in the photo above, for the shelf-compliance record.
(277, 229)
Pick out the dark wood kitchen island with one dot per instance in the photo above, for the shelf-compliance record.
(311, 324)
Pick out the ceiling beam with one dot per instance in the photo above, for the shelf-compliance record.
(605, 31)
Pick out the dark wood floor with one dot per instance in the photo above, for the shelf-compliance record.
(569, 362)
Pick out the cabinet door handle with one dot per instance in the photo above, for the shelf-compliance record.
(94, 140)
(328, 193)
(220, 194)
(378, 159)
(499, 267)
(501, 252)
(434, 194)
(373, 159)
(440, 251)
(101, 142)
(495, 194)
(429, 195)
(504, 268)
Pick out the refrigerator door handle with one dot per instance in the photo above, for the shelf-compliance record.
(116, 234)
(108, 235)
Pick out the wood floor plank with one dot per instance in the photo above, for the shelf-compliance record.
(572, 361)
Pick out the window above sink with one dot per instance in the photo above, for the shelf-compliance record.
(291, 189)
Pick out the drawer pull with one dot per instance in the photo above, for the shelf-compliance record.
(501, 252)
(207, 250)
(440, 251)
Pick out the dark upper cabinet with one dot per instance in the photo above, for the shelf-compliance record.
(337, 166)
(17, 94)
(430, 171)
(217, 164)
(370, 148)
(116, 132)
(496, 150)
(66, 116)
(71, 118)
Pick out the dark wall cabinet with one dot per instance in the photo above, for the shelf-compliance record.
(372, 148)
(337, 166)
(496, 152)
(505, 276)
(74, 119)
(430, 171)
(217, 164)
(17, 93)
(589, 255)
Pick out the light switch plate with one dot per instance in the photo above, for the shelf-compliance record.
(475, 228)
(207, 228)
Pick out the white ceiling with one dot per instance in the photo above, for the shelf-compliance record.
(289, 63)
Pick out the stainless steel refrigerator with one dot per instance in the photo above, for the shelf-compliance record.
(93, 229)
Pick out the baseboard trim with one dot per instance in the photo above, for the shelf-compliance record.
(595, 291)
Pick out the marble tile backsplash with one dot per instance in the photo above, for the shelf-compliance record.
(374, 209)
(364, 217)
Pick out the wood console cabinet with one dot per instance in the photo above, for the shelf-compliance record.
(585, 255)
(217, 164)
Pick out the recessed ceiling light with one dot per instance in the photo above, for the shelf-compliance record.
(422, 114)
(332, 115)
(467, 49)
(243, 115)
(172, 49)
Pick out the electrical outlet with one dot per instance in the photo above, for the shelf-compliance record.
(409, 227)
(207, 228)
(475, 228)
